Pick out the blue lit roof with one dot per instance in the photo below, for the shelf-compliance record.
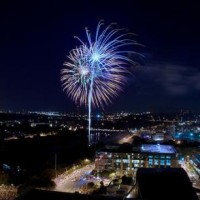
(157, 148)
(144, 148)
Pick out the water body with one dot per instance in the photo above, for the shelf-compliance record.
(107, 137)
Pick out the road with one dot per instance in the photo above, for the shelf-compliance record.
(74, 181)
(126, 139)
(194, 177)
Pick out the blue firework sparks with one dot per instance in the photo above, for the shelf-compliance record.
(96, 71)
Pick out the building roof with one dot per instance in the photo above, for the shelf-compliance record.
(144, 148)
(120, 148)
(157, 148)
(164, 183)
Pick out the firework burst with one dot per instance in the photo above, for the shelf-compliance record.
(96, 71)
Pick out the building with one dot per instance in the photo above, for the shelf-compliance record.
(127, 158)
(165, 184)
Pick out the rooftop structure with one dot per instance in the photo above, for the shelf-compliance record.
(165, 184)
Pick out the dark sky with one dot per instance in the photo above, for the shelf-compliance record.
(36, 36)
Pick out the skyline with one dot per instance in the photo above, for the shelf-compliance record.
(36, 37)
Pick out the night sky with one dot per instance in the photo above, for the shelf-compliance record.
(36, 36)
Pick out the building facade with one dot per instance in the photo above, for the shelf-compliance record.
(126, 159)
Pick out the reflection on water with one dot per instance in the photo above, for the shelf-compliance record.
(106, 137)
(97, 137)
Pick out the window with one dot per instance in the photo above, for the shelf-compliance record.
(168, 162)
(142, 157)
(150, 156)
(156, 162)
(168, 157)
(150, 161)
(125, 161)
(162, 162)
(163, 157)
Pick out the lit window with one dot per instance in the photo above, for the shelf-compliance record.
(150, 161)
(156, 162)
(162, 162)
(125, 161)
(168, 162)
(150, 156)
(168, 156)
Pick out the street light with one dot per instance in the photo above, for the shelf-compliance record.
(86, 161)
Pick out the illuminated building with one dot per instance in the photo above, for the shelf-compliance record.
(126, 158)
